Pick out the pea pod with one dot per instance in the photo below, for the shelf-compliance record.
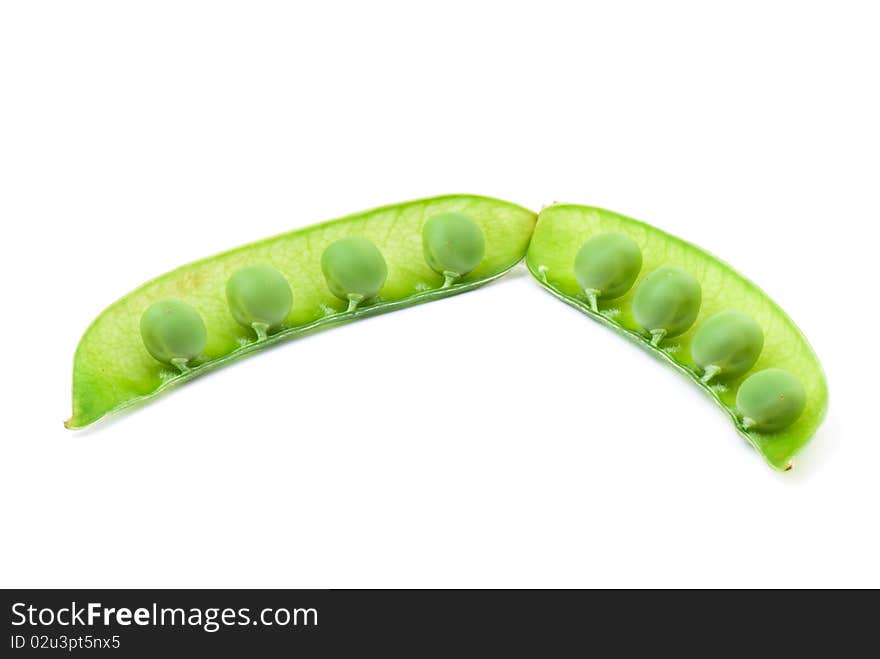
(777, 429)
(113, 368)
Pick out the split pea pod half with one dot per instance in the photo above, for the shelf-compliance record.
(220, 309)
(693, 311)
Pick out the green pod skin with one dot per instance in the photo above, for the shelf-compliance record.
(770, 400)
(606, 266)
(563, 229)
(354, 270)
(453, 245)
(727, 345)
(667, 302)
(260, 298)
(173, 333)
(113, 372)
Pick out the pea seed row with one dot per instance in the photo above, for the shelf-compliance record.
(666, 304)
(260, 298)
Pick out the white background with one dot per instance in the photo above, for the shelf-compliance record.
(495, 439)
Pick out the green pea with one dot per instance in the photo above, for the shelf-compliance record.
(453, 245)
(727, 345)
(667, 302)
(259, 297)
(173, 333)
(770, 400)
(354, 269)
(606, 266)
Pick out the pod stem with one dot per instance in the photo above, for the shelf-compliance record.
(354, 299)
(710, 372)
(657, 336)
(262, 330)
(449, 278)
(181, 364)
(592, 297)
